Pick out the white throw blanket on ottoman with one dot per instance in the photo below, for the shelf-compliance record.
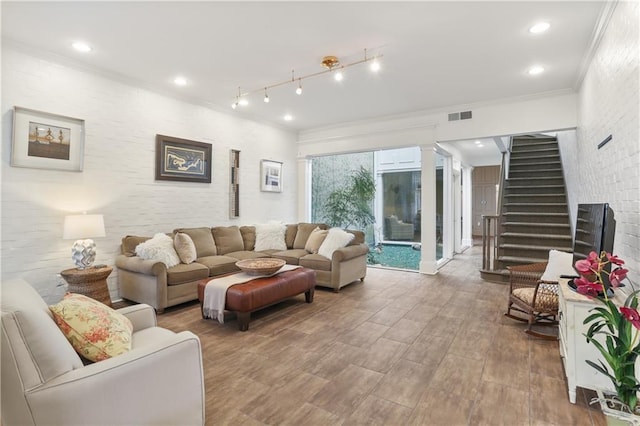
(215, 293)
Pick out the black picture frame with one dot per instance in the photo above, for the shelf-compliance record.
(182, 160)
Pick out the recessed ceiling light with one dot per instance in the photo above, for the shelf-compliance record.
(479, 145)
(375, 66)
(535, 70)
(180, 81)
(540, 27)
(288, 117)
(338, 76)
(81, 46)
(478, 142)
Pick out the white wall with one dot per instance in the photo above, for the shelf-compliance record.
(119, 168)
(609, 105)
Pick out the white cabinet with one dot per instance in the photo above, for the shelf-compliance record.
(574, 349)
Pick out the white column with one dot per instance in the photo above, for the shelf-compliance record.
(467, 225)
(457, 212)
(378, 201)
(304, 190)
(428, 210)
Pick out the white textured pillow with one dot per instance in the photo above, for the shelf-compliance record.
(270, 236)
(336, 238)
(560, 263)
(159, 248)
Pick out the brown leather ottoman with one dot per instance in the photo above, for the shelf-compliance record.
(262, 292)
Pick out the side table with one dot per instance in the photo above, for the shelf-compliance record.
(91, 282)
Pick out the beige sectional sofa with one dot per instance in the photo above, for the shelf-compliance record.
(218, 249)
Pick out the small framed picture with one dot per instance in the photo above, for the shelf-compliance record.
(47, 141)
(271, 176)
(182, 160)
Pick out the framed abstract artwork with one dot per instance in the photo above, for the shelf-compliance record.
(182, 160)
(42, 140)
(271, 176)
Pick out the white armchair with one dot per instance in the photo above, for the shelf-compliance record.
(44, 382)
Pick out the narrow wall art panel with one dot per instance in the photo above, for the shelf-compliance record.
(234, 184)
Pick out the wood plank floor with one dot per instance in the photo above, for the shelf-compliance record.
(400, 348)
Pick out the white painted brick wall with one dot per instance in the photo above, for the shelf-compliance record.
(121, 123)
(609, 105)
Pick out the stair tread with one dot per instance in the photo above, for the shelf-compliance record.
(534, 195)
(534, 247)
(524, 140)
(536, 171)
(518, 259)
(549, 147)
(526, 155)
(530, 163)
(534, 214)
(529, 178)
(548, 225)
(536, 204)
(541, 236)
(533, 186)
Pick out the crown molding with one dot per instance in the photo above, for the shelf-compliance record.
(596, 37)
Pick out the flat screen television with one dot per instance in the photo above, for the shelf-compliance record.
(595, 231)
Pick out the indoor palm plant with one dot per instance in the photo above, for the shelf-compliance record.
(619, 327)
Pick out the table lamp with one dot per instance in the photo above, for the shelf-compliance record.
(82, 227)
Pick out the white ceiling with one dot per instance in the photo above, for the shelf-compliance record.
(436, 54)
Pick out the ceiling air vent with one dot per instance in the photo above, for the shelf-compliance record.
(463, 115)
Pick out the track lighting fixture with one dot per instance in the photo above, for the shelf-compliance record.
(331, 63)
(240, 100)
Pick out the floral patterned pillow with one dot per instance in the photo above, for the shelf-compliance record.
(95, 331)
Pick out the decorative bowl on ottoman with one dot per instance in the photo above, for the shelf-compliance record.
(260, 266)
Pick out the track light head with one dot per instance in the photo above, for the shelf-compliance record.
(338, 76)
(299, 88)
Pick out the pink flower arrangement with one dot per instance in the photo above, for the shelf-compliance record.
(620, 327)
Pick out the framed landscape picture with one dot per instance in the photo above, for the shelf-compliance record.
(47, 141)
(182, 160)
(271, 176)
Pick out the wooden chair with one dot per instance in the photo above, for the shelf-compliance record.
(536, 299)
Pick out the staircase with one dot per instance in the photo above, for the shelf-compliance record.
(534, 216)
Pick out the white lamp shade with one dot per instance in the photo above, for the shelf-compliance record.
(83, 226)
